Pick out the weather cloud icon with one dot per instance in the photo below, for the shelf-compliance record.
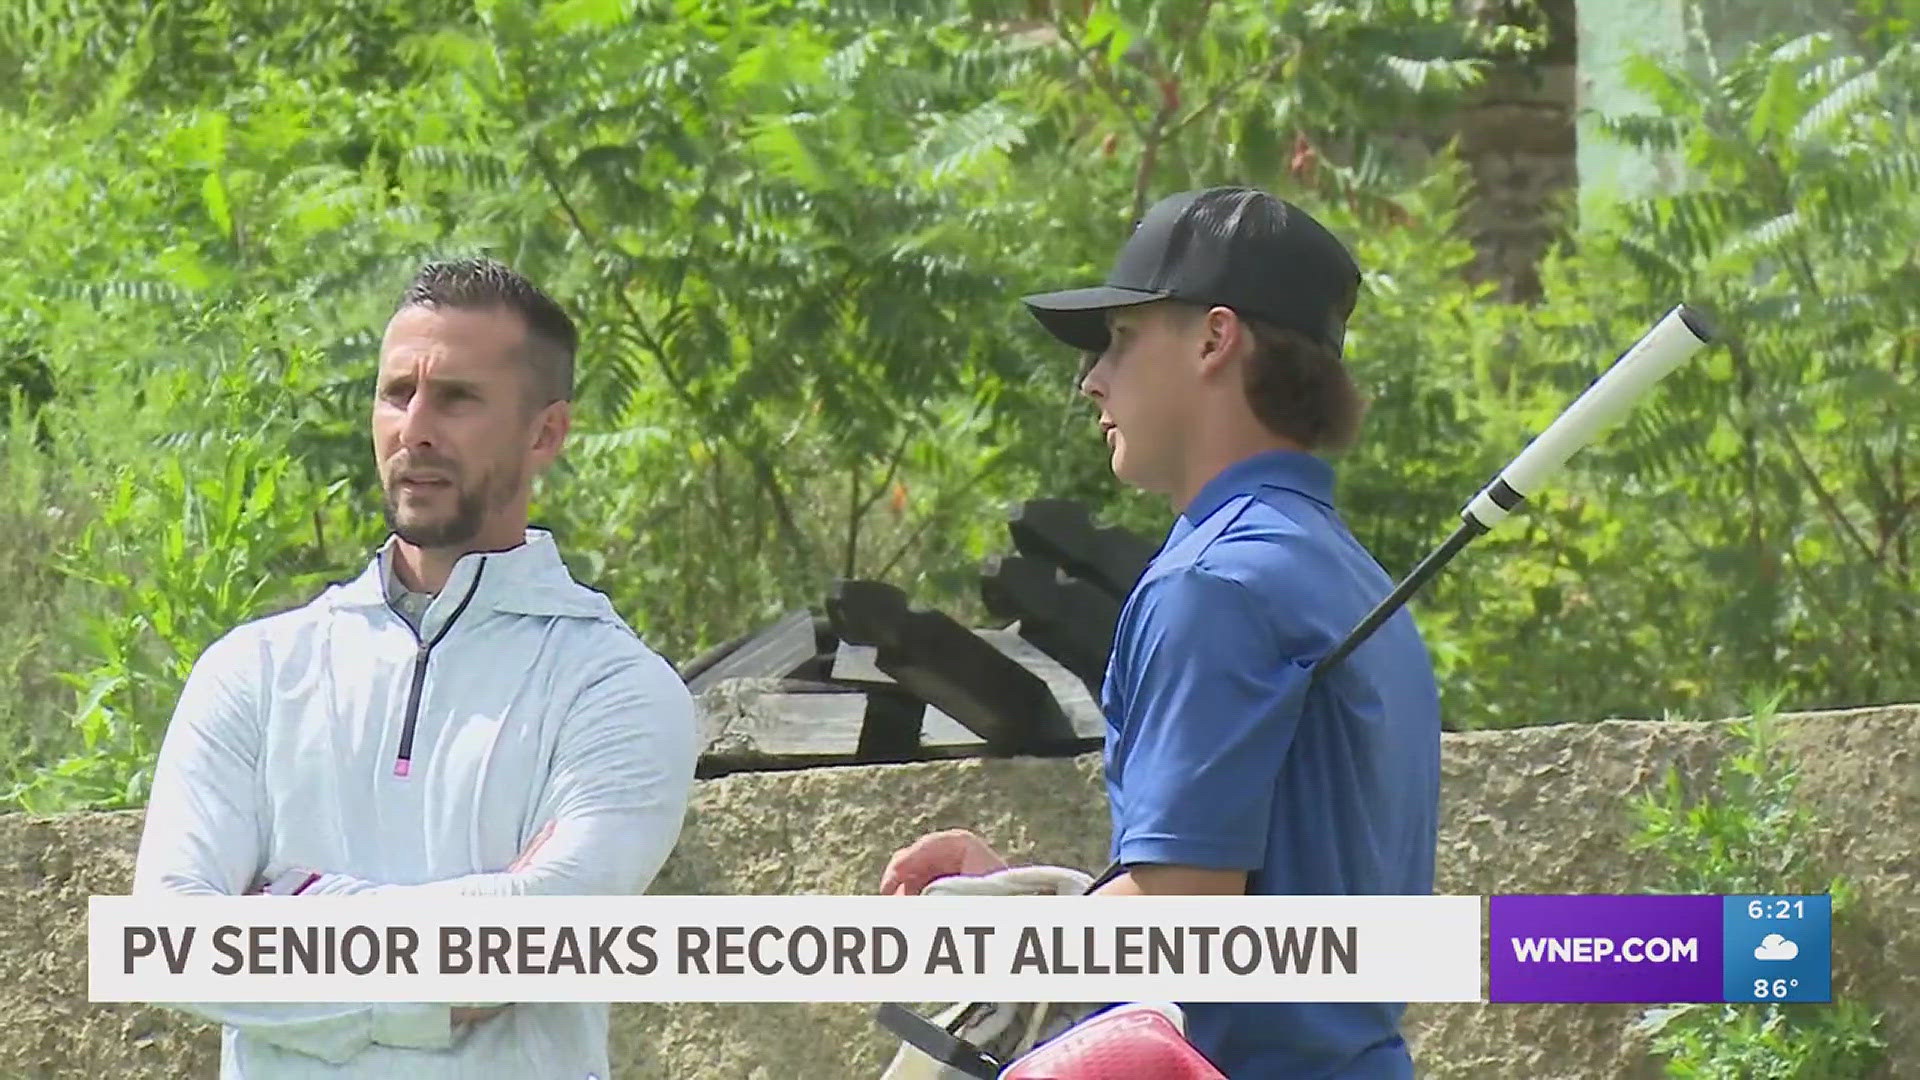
(1775, 947)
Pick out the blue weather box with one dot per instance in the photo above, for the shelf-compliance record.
(1778, 948)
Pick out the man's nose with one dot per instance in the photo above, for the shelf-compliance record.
(1093, 382)
(417, 422)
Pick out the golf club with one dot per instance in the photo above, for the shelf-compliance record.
(1675, 338)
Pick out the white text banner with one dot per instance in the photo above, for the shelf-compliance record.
(376, 948)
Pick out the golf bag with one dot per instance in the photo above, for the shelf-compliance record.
(1040, 1040)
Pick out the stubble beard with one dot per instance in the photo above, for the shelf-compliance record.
(458, 528)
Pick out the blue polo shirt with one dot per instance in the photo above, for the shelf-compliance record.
(1218, 754)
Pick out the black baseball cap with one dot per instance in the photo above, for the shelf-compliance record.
(1231, 247)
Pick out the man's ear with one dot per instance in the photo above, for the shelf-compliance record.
(1221, 334)
(550, 431)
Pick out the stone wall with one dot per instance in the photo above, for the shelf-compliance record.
(1544, 809)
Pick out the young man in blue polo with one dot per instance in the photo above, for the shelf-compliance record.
(1216, 349)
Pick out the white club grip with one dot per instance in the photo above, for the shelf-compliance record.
(1675, 338)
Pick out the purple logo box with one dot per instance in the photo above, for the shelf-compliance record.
(1650, 949)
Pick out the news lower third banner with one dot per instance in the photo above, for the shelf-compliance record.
(410, 948)
(406, 948)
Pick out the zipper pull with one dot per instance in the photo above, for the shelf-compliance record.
(403, 765)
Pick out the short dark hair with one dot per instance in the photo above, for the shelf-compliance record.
(1299, 388)
(481, 283)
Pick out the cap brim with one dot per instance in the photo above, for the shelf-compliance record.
(1078, 317)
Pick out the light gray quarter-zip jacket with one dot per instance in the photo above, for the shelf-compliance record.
(335, 738)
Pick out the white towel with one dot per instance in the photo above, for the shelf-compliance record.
(1005, 1030)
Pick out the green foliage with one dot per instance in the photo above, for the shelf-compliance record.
(793, 234)
(176, 550)
(162, 599)
(1767, 1042)
(37, 516)
(1753, 519)
(1796, 232)
(1745, 833)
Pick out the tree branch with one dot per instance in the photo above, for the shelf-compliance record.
(708, 179)
(763, 471)
(1260, 73)
(1835, 619)
(1899, 467)
(1099, 75)
(853, 519)
(933, 516)
(1158, 131)
(858, 508)
(893, 469)
(1841, 522)
(1887, 514)
(1150, 154)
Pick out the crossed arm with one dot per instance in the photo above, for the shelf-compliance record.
(612, 809)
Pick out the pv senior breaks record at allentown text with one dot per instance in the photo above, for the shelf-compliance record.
(764, 950)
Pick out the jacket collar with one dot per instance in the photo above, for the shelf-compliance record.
(528, 579)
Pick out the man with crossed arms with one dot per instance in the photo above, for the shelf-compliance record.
(463, 718)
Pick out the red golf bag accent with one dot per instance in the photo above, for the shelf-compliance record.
(1136, 1041)
(1125, 1043)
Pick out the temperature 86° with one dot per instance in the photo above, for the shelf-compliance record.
(1776, 988)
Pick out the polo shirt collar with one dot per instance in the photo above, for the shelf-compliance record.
(1293, 470)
